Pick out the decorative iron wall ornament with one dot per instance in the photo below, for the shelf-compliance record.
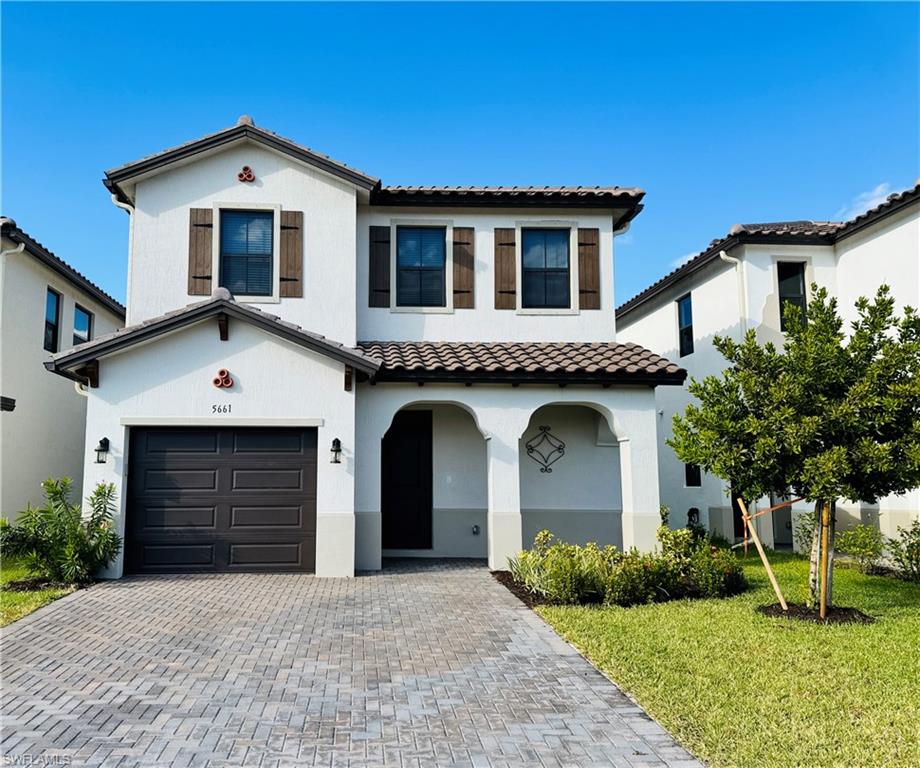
(545, 449)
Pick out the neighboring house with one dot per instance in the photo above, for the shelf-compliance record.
(738, 283)
(46, 307)
(320, 371)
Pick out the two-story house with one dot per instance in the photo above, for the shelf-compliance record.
(740, 282)
(46, 306)
(320, 371)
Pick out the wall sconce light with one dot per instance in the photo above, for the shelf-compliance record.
(101, 450)
(336, 451)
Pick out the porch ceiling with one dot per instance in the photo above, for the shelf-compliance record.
(602, 363)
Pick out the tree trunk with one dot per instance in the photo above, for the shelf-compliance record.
(814, 581)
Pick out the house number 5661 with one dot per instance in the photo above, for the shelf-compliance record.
(220, 408)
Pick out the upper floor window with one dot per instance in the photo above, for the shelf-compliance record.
(791, 278)
(685, 325)
(52, 320)
(692, 476)
(545, 269)
(82, 325)
(246, 241)
(420, 266)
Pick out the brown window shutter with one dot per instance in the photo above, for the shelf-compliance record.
(589, 269)
(505, 270)
(292, 254)
(200, 236)
(464, 267)
(379, 272)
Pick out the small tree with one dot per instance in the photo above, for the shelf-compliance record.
(828, 416)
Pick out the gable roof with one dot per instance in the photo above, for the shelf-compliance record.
(9, 229)
(787, 232)
(521, 362)
(245, 129)
(70, 362)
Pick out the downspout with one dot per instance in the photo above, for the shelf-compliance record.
(130, 210)
(11, 251)
(742, 293)
(621, 231)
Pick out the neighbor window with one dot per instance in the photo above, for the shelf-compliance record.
(692, 477)
(52, 320)
(246, 240)
(420, 272)
(685, 325)
(791, 278)
(82, 325)
(545, 269)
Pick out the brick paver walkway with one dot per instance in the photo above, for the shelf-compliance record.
(414, 666)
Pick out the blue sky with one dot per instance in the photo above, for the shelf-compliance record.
(722, 112)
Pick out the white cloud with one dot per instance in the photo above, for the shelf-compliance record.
(864, 201)
(682, 260)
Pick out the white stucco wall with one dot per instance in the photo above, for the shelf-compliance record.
(44, 436)
(484, 322)
(158, 272)
(275, 384)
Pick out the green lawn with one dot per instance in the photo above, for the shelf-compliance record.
(15, 605)
(740, 689)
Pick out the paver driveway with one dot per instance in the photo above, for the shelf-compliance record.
(417, 665)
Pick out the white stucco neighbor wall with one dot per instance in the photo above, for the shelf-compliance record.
(484, 322)
(158, 271)
(502, 414)
(888, 252)
(43, 436)
(275, 384)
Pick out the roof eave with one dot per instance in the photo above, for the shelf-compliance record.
(526, 377)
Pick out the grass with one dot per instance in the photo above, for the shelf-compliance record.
(15, 605)
(740, 689)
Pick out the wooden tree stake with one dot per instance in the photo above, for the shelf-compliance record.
(763, 556)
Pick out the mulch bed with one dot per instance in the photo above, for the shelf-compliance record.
(835, 614)
(530, 599)
(33, 585)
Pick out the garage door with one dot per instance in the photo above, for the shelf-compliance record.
(221, 500)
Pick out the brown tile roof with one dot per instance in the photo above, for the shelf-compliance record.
(521, 362)
(9, 229)
(68, 362)
(244, 128)
(385, 195)
(792, 232)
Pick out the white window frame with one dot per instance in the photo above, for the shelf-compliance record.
(572, 226)
(275, 296)
(448, 224)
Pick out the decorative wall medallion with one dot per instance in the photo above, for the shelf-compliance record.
(246, 174)
(223, 380)
(545, 449)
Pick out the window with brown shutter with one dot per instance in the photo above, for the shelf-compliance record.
(379, 267)
(589, 269)
(505, 270)
(200, 236)
(464, 267)
(292, 254)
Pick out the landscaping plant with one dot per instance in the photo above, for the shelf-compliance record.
(905, 551)
(57, 542)
(865, 544)
(829, 416)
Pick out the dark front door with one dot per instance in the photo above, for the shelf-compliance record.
(406, 482)
(203, 499)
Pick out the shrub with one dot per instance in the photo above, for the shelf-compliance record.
(57, 542)
(905, 551)
(686, 566)
(804, 530)
(864, 543)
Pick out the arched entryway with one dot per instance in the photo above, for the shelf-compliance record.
(433, 488)
(570, 473)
